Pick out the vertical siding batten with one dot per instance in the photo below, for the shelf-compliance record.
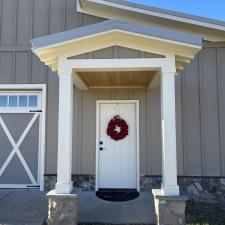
(148, 133)
(141, 95)
(209, 107)
(218, 110)
(1, 18)
(88, 133)
(221, 105)
(191, 119)
(179, 129)
(155, 143)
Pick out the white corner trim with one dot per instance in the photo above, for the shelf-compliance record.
(138, 143)
(79, 8)
(97, 145)
(42, 143)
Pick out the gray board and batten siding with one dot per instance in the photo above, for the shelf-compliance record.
(200, 93)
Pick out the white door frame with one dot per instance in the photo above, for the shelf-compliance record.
(41, 88)
(98, 102)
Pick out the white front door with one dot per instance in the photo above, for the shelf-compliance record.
(117, 165)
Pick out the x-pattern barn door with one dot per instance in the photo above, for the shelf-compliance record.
(20, 133)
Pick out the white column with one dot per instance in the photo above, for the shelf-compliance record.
(168, 118)
(64, 184)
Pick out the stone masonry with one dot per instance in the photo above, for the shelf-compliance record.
(204, 189)
(170, 210)
(62, 209)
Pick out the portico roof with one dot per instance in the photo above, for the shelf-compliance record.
(115, 24)
(115, 32)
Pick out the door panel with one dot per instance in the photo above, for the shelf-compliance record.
(19, 134)
(118, 160)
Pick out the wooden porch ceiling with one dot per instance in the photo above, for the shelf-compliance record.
(117, 79)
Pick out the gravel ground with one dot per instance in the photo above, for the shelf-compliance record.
(198, 213)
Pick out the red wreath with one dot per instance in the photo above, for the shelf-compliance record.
(117, 123)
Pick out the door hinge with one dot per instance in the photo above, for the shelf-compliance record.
(33, 111)
(33, 186)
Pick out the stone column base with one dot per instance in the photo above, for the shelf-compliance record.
(62, 209)
(170, 210)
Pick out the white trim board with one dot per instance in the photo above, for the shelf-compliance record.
(24, 88)
(146, 64)
(98, 102)
(83, 6)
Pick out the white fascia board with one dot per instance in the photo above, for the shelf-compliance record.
(151, 13)
(48, 47)
(164, 40)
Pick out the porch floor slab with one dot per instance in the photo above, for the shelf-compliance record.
(138, 211)
(30, 207)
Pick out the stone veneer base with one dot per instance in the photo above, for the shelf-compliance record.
(170, 210)
(206, 189)
(62, 209)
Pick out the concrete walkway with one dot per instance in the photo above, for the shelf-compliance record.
(22, 207)
(29, 207)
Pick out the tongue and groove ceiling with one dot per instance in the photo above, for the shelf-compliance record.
(117, 79)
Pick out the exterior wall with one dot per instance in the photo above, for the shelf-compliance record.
(85, 120)
(200, 94)
(202, 109)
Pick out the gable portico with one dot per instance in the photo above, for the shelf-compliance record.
(56, 51)
(61, 53)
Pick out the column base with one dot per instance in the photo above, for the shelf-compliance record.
(62, 209)
(169, 209)
(170, 190)
(63, 188)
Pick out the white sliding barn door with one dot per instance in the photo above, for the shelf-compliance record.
(20, 131)
(117, 166)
